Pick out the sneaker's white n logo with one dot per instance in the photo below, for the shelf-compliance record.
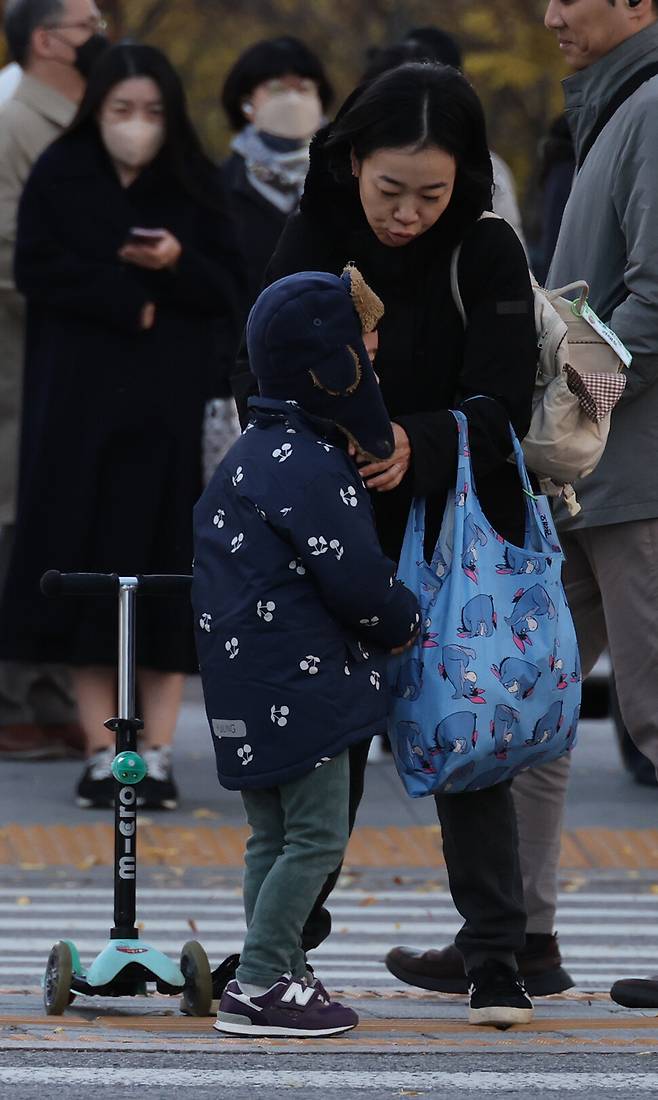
(300, 994)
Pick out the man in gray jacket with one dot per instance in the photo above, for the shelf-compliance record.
(609, 237)
(55, 42)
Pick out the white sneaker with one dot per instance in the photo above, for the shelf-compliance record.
(158, 790)
(96, 784)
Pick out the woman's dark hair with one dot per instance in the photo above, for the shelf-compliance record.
(182, 153)
(267, 60)
(419, 44)
(414, 107)
(437, 45)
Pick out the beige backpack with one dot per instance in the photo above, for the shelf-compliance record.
(579, 381)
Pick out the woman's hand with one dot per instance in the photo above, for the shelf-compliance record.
(384, 476)
(163, 253)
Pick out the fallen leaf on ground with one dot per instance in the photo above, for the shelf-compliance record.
(88, 862)
(574, 884)
(203, 814)
(23, 900)
(365, 902)
(192, 925)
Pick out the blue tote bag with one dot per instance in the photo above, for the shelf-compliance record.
(493, 684)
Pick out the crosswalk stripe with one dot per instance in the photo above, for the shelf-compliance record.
(210, 893)
(246, 1078)
(432, 910)
(336, 947)
(600, 943)
(367, 927)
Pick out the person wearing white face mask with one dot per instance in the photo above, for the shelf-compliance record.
(275, 97)
(126, 258)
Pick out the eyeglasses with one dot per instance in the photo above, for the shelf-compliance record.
(95, 26)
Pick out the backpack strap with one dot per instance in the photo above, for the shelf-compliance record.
(454, 283)
(454, 269)
(625, 92)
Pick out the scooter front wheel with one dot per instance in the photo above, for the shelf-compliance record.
(57, 979)
(197, 995)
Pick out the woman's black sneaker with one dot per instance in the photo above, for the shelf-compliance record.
(498, 996)
(95, 787)
(158, 790)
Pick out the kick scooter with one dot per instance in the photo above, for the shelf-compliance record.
(126, 965)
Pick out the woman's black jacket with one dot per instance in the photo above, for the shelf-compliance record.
(427, 363)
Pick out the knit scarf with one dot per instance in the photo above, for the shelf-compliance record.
(277, 175)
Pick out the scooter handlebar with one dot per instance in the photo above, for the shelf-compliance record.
(165, 584)
(54, 583)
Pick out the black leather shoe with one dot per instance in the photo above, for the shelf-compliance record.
(636, 992)
(540, 967)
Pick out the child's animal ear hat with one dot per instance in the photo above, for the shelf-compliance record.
(304, 336)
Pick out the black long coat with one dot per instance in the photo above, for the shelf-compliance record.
(427, 363)
(110, 452)
(258, 223)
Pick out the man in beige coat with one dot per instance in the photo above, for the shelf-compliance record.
(55, 42)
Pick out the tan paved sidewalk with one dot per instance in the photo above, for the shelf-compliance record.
(37, 847)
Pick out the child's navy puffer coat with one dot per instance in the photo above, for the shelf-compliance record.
(296, 606)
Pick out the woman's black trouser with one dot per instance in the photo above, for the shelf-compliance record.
(480, 845)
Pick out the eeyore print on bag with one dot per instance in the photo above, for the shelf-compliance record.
(492, 685)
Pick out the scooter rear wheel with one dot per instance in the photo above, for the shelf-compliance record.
(57, 980)
(197, 995)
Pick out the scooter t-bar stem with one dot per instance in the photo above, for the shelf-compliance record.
(125, 802)
(127, 767)
(127, 622)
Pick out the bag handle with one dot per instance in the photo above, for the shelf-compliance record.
(465, 466)
(580, 285)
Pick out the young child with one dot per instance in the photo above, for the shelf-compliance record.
(296, 609)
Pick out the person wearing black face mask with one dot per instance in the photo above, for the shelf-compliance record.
(88, 53)
(56, 43)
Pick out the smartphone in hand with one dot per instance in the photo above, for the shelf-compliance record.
(145, 236)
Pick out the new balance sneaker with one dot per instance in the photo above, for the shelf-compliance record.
(158, 791)
(288, 1008)
(95, 787)
(498, 996)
